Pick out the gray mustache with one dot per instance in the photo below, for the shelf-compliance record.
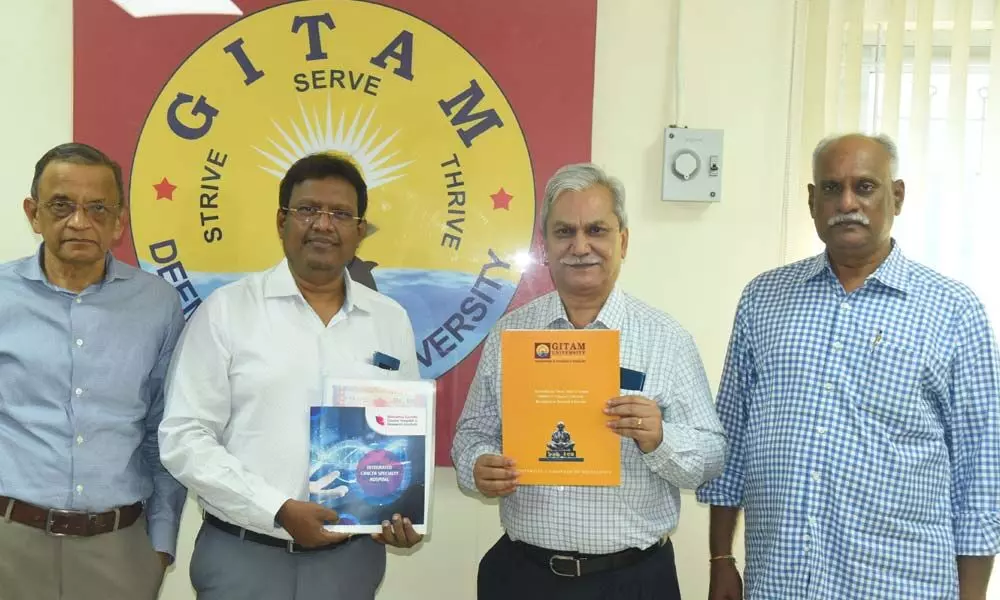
(579, 260)
(848, 218)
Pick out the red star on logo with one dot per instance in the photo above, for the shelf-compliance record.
(164, 189)
(501, 199)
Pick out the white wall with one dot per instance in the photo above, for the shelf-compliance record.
(691, 261)
(36, 106)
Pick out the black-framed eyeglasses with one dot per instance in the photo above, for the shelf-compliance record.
(98, 212)
(310, 214)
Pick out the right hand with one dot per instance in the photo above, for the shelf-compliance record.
(725, 582)
(495, 475)
(304, 521)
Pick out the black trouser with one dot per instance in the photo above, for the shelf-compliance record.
(508, 572)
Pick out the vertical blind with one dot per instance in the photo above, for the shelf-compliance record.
(919, 71)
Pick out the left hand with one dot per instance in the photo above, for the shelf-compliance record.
(639, 419)
(165, 559)
(398, 533)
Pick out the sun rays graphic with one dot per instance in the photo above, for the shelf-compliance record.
(311, 135)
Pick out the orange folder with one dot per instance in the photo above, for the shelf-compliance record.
(554, 386)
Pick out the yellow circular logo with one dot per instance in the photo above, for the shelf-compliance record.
(451, 189)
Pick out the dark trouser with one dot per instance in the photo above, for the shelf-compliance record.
(508, 572)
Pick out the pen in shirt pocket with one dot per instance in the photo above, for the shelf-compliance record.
(877, 340)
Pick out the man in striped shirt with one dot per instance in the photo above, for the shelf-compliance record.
(582, 543)
(861, 399)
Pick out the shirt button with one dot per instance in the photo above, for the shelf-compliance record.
(828, 386)
(78, 392)
(821, 430)
(812, 521)
(79, 300)
(79, 489)
(79, 439)
(805, 538)
(845, 306)
(79, 342)
(816, 477)
(838, 346)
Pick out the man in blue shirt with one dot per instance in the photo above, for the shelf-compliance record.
(88, 510)
(861, 397)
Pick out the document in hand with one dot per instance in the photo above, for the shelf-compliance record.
(371, 452)
(554, 386)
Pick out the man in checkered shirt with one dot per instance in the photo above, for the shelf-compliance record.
(861, 399)
(582, 543)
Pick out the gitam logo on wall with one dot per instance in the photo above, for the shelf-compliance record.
(451, 189)
(209, 101)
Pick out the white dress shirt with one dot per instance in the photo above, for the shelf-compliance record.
(247, 368)
(637, 513)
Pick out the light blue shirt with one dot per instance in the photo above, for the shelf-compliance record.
(864, 431)
(81, 392)
(595, 519)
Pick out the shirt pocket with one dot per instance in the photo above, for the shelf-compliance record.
(889, 392)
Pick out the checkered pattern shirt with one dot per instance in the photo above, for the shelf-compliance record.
(646, 505)
(864, 433)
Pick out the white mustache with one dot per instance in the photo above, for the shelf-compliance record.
(848, 218)
(579, 261)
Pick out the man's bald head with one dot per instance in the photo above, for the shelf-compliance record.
(849, 143)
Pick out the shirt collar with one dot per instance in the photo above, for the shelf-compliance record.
(31, 269)
(611, 315)
(280, 283)
(894, 272)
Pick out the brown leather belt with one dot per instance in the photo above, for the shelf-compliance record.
(69, 522)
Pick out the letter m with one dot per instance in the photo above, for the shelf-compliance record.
(466, 102)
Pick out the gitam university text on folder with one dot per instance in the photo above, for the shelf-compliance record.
(554, 387)
(371, 452)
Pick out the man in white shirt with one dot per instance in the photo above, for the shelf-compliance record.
(583, 543)
(248, 366)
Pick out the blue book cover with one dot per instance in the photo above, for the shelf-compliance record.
(371, 453)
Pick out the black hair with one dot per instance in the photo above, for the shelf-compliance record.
(322, 166)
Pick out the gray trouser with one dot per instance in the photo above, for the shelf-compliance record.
(120, 565)
(224, 567)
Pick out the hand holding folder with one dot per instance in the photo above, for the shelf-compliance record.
(495, 475)
(636, 417)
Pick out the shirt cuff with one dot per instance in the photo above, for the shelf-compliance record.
(466, 472)
(977, 534)
(163, 536)
(267, 503)
(658, 459)
(719, 492)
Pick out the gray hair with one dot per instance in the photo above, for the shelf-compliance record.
(78, 154)
(891, 149)
(578, 177)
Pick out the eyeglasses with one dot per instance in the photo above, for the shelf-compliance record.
(97, 212)
(310, 214)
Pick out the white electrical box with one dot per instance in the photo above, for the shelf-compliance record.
(692, 165)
